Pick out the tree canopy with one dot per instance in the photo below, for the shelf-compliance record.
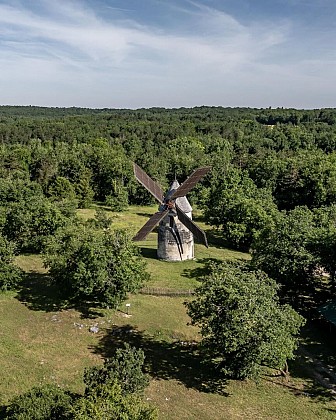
(10, 275)
(242, 323)
(95, 266)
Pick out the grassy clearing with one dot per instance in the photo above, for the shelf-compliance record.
(167, 274)
(41, 343)
(246, 400)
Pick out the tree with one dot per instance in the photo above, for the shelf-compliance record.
(12, 190)
(61, 188)
(84, 190)
(31, 223)
(323, 241)
(238, 208)
(118, 199)
(243, 325)
(95, 266)
(285, 251)
(10, 275)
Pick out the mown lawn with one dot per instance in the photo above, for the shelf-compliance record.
(42, 343)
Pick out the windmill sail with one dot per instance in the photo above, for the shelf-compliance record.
(150, 225)
(148, 183)
(190, 182)
(194, 229)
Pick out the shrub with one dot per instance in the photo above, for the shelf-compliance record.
(108, 402)
(125, 367)
(48, 402)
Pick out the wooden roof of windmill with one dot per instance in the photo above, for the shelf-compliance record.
(182, 202)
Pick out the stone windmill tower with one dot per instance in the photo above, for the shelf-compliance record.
(176, 231)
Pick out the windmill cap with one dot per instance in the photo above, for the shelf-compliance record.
(182, 202)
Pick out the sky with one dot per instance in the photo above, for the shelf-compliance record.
(168, 53)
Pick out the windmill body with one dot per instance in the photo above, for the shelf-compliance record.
(175, 241)
(176, 231)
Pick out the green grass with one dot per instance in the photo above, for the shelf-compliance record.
(167, 274)
(41, 343)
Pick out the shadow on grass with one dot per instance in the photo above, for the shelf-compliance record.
(180, 360)
(3, 412)
(315, 361)
(215, 238)
(202, 270)
(39, 293)
(142, 214)
(306, 297)
(312, 389)
(148, 252)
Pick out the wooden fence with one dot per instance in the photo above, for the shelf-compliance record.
(163, 291)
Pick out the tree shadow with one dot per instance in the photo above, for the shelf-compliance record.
(198, 217)
(315, 362)
(306, 297)
(203, 269)
(312, 390)
(178, 360)
(39, 293)
(215, 238)
(149, 253)
(3, 410)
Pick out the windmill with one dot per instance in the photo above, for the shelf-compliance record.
(176, 231)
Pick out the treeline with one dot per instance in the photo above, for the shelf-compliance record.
(281, 149)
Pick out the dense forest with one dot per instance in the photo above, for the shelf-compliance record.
(271, 191)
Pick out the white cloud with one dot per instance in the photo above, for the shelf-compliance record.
(67, 55)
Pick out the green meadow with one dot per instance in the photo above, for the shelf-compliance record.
(41, 342)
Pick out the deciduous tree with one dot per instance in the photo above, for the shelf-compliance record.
(243, 325)
(95, 266)
(10, 275)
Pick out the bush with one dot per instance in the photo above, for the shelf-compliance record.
(125, 367)
(108, 402)
(101, 220)
(48, 402)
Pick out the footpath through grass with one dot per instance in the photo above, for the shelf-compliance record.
(42, 343)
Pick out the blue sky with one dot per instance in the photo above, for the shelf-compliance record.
(169, 53)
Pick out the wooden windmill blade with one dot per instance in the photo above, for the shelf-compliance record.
(190, 182)
(150, 185)
(150, 225)
(194, 229)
